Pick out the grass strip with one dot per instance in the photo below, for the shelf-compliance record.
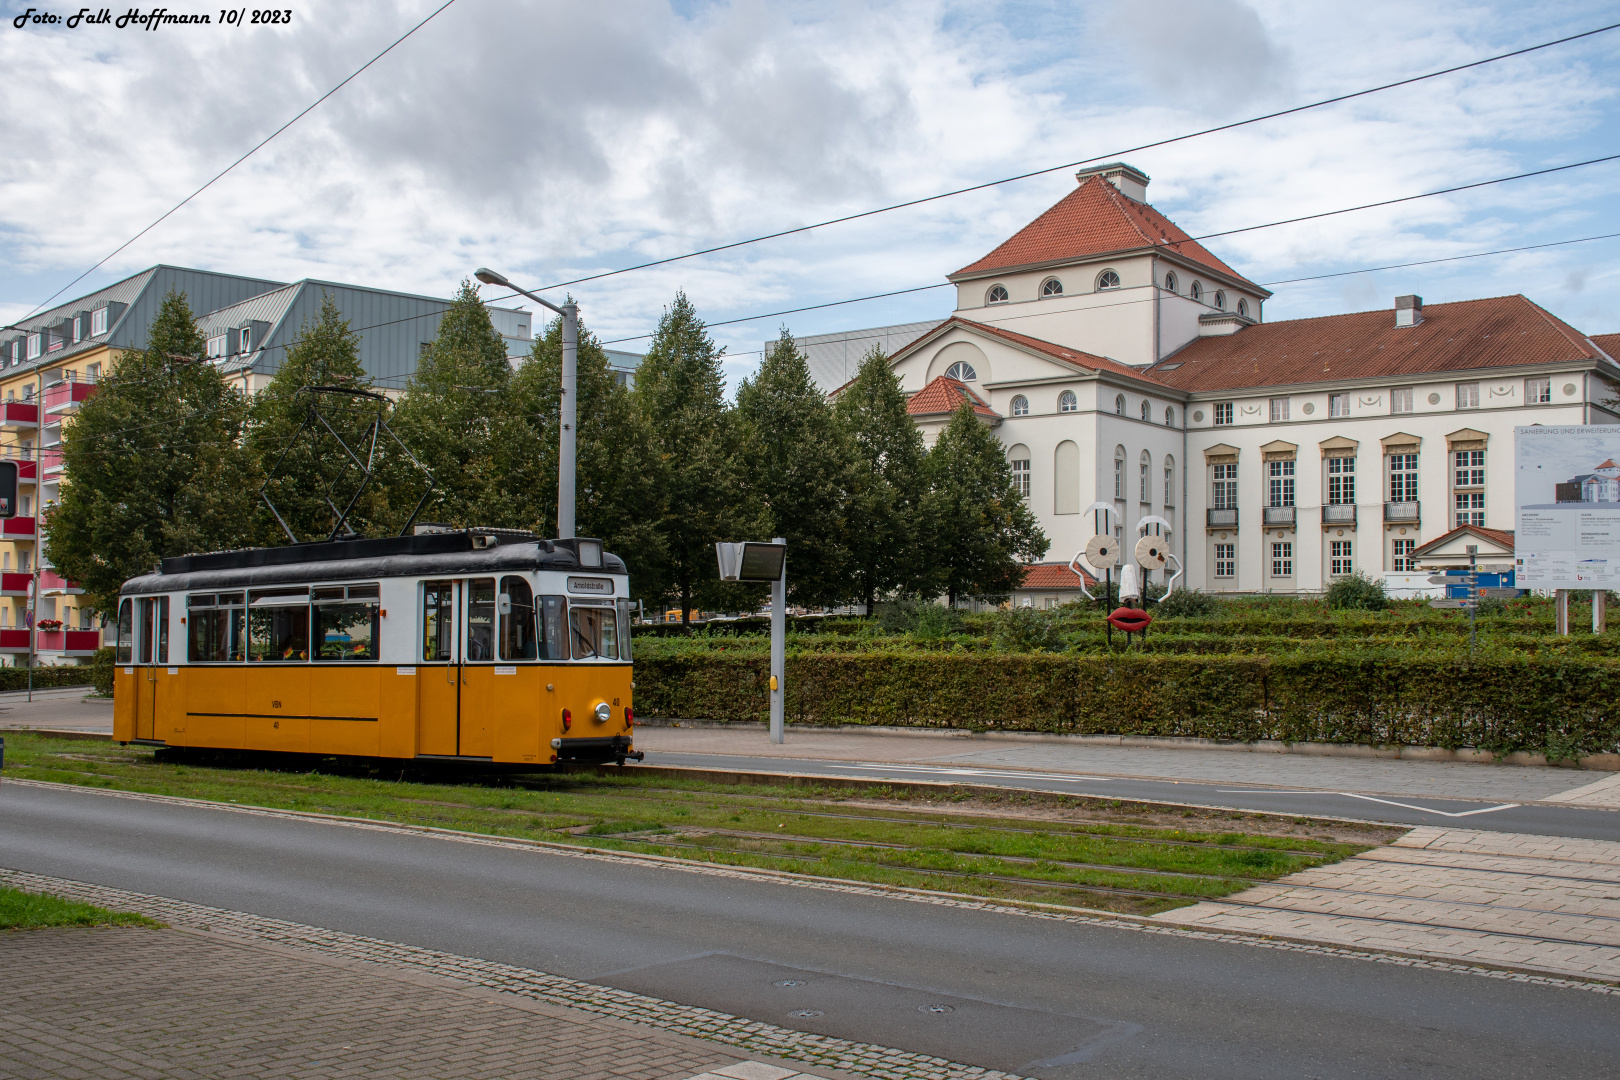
(21, 910)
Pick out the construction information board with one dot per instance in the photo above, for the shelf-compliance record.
(1567, 489)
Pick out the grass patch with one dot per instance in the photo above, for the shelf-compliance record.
(28, 911)
(1016, 846)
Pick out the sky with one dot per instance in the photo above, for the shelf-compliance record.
(554, 141)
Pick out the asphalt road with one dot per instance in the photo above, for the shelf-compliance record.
(1541, 820)
(1039, 997)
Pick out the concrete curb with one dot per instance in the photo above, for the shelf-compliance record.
(1594, 762)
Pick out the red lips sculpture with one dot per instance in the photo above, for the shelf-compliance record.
(1129, 619)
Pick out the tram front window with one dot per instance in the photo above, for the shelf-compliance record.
(481, 619)
(126, 632)
(595, 632)
(278, 625)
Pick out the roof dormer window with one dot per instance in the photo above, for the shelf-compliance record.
(996, 295)
(1052, 287)
(98, 322)
(1108, 279)
(961, 371)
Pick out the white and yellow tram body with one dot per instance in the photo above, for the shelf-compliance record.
(482, 646)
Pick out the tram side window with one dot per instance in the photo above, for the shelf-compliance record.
(595, 632)
(438, 620)
(217, 627)
(346, 622)
(278, 625)
(163, 630)
(126, 632)
(554, 621)
(143, 646)
(518, 640)
(481, 619)
(624, 629)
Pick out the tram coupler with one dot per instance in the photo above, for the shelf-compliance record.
(638, 755)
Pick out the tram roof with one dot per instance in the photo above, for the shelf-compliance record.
(438, 554)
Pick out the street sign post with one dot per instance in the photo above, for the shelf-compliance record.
(1469, 604)
(765, 562)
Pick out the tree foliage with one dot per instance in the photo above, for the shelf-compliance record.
(887, 483)
(796, 457)
(980, 530)
(153, 463)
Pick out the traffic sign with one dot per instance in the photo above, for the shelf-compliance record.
(1497, 592)
(1451, 603)
(1453, 579)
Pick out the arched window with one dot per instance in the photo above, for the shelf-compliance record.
(1169, 480)
(961, 371)
(1196, 292)
(996, 295)
(1220, 299)
(1169, 416)
(1067, 402)
(1144, 487)
(1146, 410)
(1243, 307)
(1170, 281)
(1119, 405)
(1052, 287)
(1119, 472)
(1107, 280)
(1020, 405)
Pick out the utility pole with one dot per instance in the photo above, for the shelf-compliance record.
(33, 619)
(568, 409)
(1473, 592)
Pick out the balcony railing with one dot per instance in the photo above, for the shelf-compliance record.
(1280, 515)
(55, 584)
(1221, 519)
(15, 584)
(50, 460)
(1339, 514)
(68, 642)
(18, 528)
(18, 415)
(1401, 511)
(65, 396)
(14, 640)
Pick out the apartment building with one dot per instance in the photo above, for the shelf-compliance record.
(52, 362)
(1130, 375)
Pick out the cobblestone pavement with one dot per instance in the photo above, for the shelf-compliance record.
(1545, 903)
(1436, 779)
(284, 999)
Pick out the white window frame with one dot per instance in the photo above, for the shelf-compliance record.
(990, 296)
(1403, 478)
(1341, 558)
(1068, 402)
(1338, 406)
(1170, 281)
(98, 322)
(1401, 560)
(1108, 280)
(1468, 395)
(1224, 492)
(1224, 412)
(1020, 405)
(1282, 558)
(1279, 410)
(1021, 476)
(1538, 390)
(1051, 287)
(1280, 482)
(965, 371)
(1400, 400)
(1226, 560)
(1341, 481)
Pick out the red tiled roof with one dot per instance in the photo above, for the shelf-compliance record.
(1501, 537)
(1051, 575)
(1094, 219)
(1609, 343)
(945, 395)
(1084, 361)
(1499, 332)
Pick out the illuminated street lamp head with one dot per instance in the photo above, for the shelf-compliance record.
(490, 277)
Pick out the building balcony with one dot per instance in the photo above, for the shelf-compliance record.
(67, 642)
(67, 396)
(18, 528)
(1279, 515)
(1339, 514)
(50, 461)
(18, 416)
(53, 584)
(1221, 519)
(1401, 511)
(15, 584)
(14, 640)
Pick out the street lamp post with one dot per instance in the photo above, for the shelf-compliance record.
(568, 412)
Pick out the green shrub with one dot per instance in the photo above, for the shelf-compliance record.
(1187, 603)
(1358, 592)
(101, 670)
(1028, 629)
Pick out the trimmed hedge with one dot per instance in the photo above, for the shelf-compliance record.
(16, 678)
(1563, 706)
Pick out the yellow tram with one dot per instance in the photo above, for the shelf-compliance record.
(483, 646)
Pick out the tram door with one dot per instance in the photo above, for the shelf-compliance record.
(457, 672)
(151, 652)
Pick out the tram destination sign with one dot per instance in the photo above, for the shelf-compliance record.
(751, 561)
(591, 586)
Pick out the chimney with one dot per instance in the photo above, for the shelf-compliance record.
(1408, 310)
(1132, 183)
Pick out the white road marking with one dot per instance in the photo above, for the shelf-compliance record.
(941, 770)
(1370, 798)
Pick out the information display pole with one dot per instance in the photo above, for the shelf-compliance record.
(1561, 612)
(1600, 610)
(778, 648)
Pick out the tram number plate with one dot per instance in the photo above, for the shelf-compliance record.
(595, 586)
(503, 670)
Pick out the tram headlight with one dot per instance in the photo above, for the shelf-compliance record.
(603, 712)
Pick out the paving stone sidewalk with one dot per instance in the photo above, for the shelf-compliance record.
(1435, 779)
(1537, 902)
